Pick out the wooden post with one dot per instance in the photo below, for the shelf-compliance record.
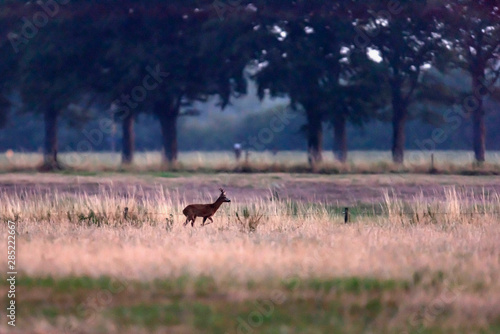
(346, 215)
(433, 169)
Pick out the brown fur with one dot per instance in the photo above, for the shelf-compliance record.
(204, 210)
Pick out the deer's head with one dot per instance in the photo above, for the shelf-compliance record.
(223, 196)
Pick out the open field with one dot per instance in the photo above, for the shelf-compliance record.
(420, 255)
(446, 162)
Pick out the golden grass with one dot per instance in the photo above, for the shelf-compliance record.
(81, 234)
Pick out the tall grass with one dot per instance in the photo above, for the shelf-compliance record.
(107, 206)
(89, 234)
(457, 207)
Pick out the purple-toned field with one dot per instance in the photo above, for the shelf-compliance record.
(420, 254)
(330, 189)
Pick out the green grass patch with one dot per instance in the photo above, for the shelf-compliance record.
(50, 312)
(217, 316)
(205, 285)
(68, 284)
(198, 304)
(74, 172)
(299, 209)
(145, 315)
(355, 285)
(169, 175)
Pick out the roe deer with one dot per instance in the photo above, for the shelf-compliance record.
(204, 210)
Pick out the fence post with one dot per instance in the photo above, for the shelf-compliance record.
(346, 215)
(433, 167)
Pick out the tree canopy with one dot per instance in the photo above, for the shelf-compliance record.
(337, 62)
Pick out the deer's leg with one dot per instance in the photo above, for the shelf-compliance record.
(209, 218)
(204, 220)
(188, 219)
(192, 221)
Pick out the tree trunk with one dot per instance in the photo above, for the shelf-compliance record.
(4, 110)
(168, 123)
(479, 131)
(314, 137)
(340, 138)
(50, 146)
(128, 142)
(400, 114)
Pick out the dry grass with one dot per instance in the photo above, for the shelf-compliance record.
(449, 246)
(446, 162)
(88, 235)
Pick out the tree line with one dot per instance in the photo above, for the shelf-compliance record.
(339, 62)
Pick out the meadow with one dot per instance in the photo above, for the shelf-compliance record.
(447, 162)
(420, 253)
